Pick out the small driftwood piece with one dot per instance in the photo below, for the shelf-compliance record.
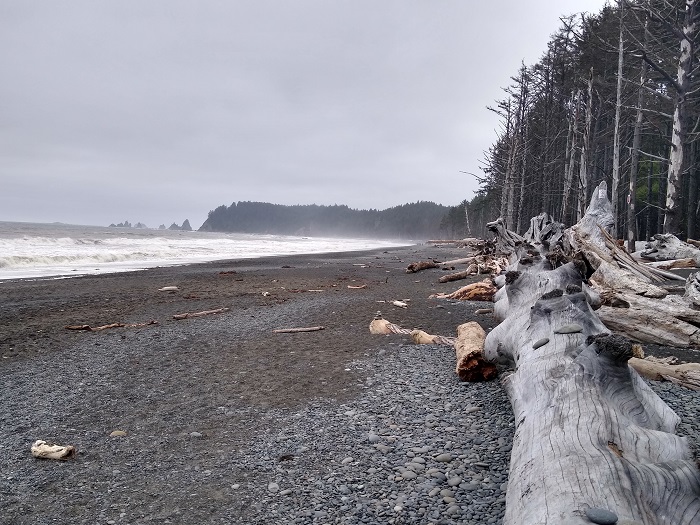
(360, 287)
(687, 375)
(46, 450)
(481, 291)
(672, 265)
(455, 262)
(469, 349)
(471, 270)
(88, 328)
(187, 315)
(380, 326)
(420, 266)
(298, 330)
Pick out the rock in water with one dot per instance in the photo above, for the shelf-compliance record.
(601, 516)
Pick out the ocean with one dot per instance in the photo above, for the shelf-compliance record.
(33, 250)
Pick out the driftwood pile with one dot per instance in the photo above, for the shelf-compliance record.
(591, 436)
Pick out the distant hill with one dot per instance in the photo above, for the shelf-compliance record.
(416, 221)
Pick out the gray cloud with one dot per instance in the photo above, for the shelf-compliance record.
(162, 110)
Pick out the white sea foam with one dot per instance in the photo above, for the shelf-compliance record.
(30, 250)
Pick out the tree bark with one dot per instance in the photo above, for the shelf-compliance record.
(590, 434)
(672, 216)
(469, 349)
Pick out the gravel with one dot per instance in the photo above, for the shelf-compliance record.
(416, 446)
(403, 452)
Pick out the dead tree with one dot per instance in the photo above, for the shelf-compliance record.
(591, 436)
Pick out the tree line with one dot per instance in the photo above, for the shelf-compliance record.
(614, 97)
(417, 221)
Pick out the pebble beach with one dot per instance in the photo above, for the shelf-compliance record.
(218, 419)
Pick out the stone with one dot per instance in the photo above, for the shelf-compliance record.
(453, 510)
(117, 433)
(196, 434)
(601, 516)
(409, 474)
(447, 493)
(383, 448)
(569, 329)
(540, 342)
(453, 482)
(347, 461)
(286, 492)
(373, 438)
(273, 487)
(444, 458)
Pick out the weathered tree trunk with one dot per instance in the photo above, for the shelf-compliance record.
(672, 219)
(616, 140)
(590, 434)
(634, 160)
(585, 152)
(571, 148)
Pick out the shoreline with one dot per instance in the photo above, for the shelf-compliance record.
(220, 418)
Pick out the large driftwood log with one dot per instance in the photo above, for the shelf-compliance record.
(665, 247)
(669, 321)
(687, 375)
(590, 434)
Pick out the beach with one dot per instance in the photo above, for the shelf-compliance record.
(219, 419)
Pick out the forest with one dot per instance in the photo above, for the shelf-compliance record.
(415, 221)
(613, 98)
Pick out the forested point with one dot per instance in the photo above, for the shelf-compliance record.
(416, 221)
(615, 98)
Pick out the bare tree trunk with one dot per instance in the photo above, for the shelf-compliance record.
(672, 219)
(585, 152)
(616, 141)
(569, 169)
(634, 168)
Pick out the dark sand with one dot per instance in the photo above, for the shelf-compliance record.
(34, 314)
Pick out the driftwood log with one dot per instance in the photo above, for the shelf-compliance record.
(420, 266)
(481, 291)
(687, 375)
(666, 247)
(469, 346)
(590, 434)
(88, 328)
(469, 350)
(188, 315)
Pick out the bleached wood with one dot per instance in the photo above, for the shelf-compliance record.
(188, 315)
(469, 350)
(687, 375)
(589, 431)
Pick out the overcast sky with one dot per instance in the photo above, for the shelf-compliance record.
(157, 111)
